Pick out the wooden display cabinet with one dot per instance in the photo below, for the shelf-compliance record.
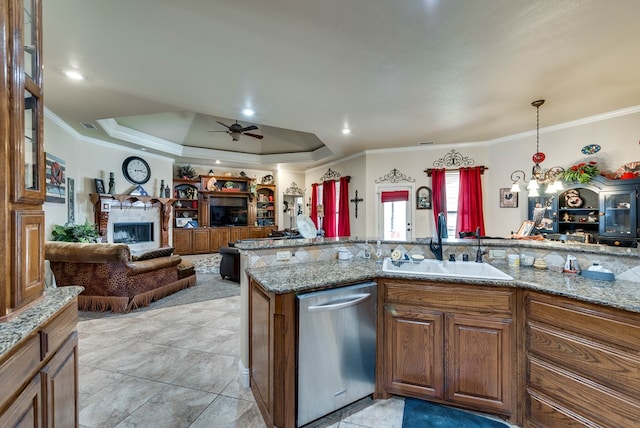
(266, 205)
(23, 184)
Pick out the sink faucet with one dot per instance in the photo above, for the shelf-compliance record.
(436, 249)
(479, 253)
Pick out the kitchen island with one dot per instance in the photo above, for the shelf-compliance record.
(503, 336)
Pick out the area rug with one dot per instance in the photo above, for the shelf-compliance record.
(205, 263)
(423, 414)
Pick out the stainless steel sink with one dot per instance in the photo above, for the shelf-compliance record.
(432, 268)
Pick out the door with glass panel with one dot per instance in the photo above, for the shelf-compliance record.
(395, 213)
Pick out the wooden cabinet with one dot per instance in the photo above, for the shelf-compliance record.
(448, 342)
(40, 376)
(266, 205)
(185, 207)
(209, 239)
(23, 184)
(272, 354)
(582, 364)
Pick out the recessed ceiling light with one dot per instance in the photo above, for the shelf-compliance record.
(346, 131)
(248, 112)
(144, 149)
(218, 161)
(73, 74)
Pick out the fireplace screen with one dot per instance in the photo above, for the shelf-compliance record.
(132, 233)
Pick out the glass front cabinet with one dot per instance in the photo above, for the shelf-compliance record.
(618, 213)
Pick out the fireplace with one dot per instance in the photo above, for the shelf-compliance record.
(132, 233)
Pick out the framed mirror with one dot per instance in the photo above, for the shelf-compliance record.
(423, 198)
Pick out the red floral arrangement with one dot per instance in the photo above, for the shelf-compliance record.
(582, 172)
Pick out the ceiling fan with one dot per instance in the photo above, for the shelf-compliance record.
(236, 131)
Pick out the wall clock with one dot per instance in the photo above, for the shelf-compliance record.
(136, 170)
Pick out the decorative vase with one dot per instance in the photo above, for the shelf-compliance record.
(627, 175)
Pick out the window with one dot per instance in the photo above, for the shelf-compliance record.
(453, 190)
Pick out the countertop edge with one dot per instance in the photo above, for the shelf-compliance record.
(15, 329)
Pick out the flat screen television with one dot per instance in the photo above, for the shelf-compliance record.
(228, 211)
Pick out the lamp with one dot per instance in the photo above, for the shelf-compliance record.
(235, 136)
(551, 177)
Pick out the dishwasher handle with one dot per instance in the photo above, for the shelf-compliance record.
(340, 303)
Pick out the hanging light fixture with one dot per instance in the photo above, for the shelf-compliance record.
(551, 177)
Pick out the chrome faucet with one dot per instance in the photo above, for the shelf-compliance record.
(479, 253)
(436, 249)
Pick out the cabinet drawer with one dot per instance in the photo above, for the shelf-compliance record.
(583, 396)
(545, 413)
(56, 331)
(609, 325)
(18, 368)
(609, 366)
(450, 297)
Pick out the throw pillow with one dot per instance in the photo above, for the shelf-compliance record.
(153, 254)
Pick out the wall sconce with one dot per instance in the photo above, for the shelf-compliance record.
(551, 177)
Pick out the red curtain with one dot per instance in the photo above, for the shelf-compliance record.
(470, 212)
(395, 196)
(314, 204)
(329, 202)
(439, 197)
(344, 227)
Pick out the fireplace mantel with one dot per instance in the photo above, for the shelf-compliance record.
(103, 203)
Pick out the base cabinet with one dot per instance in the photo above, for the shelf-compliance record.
(449, 343)
(39, 376)
(203, 240)
(582, 364)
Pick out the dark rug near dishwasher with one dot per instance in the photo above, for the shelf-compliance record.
(423, 414)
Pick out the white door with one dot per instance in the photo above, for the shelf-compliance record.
(395, 216)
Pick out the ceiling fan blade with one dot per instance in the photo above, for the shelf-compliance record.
(249, 128)
(259, 137)
(226, 126)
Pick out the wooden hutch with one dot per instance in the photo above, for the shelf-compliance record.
(211, 211)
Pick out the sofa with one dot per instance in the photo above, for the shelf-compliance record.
(113, 278)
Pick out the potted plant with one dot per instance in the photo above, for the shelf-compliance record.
(582, 172)
(70, 232)
(187, 172)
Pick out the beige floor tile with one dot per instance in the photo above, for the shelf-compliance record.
(93, 380)
(226, 412)
(381, 414)
(204, 339)
(149, 361)
(229, 347)
(93, 347)
(208, 372)
(112, 404)
(174, 406)
(235, 390)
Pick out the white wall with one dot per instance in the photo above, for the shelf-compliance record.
(617, 133)
(87, 159)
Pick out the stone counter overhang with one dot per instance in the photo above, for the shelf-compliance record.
(315, 275)
(15, 329)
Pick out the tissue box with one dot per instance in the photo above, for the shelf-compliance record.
(594, 274)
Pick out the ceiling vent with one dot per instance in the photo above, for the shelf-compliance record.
(88, 125)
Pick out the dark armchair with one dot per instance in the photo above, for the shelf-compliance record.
(230, 263)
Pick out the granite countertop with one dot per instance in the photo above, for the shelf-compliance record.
(326, 274)
(15, 329)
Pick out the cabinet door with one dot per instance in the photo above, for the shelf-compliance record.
(182, 241)
(26, 410)
(413, 344)
(61, 386)
(28, 258)
(618, 213)
(479, 362)
(200, 241)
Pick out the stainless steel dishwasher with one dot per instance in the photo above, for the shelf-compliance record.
(336, 349)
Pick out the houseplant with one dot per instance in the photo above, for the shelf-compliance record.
(186, 172)
(582, 172)
(70, 232)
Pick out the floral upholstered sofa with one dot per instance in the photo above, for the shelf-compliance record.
(113, 278)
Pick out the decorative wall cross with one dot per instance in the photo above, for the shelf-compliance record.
(356, 201)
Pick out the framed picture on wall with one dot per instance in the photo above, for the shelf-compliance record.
(508, 199)
(99, 183)
(423, 198)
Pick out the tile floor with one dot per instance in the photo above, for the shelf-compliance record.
(177, 367)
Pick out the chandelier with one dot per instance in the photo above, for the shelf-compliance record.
(551, 177)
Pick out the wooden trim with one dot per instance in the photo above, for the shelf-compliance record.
(429, 171)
